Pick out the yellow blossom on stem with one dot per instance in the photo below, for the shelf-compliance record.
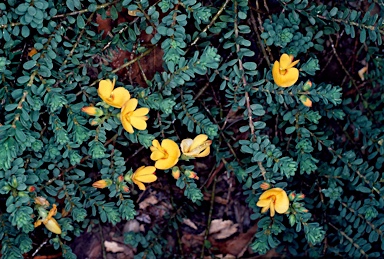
(144, 174)
(93, 111)
(113, 97)
(133, 118)
(102, 183)
(283, 72)
(166, 155)
(198, 147)
(305, 101)
(274, 199)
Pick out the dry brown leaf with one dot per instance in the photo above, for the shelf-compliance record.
(132, 225)
(218, 225)
(189, 223)
(115, 247)
(227, 232)
(151, 200)
(227, 256)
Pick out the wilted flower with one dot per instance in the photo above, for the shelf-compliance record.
(198, 147)
(102, 183)
(275, 199)
(283, 72)
(144, 174)
(166, 155)
(41, 201)
(305, 100)
(133, 118)
(47, 218)
(93, 111)
(114, 97)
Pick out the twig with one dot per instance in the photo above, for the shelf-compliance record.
(102, 6)
(40, 246)
(209, 217)
(212, 22)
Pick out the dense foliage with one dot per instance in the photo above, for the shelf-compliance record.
(199, 68)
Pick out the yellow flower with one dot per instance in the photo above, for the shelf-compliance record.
(114, 97)
(49, 222)
(133, 118)
(275, 199)
(198, 147)
(144, 174)
(166, 155)
(284, 73)
(306, 101)
(102, 183)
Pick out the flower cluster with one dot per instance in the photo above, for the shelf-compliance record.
(285, 75)
(166, 155)
(119, 97)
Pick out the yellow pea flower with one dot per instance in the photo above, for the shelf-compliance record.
(144, 174)
(198, 147)
(47, 219)
(113, 97)
(275, 199)
(283, 72)
(166, 155)
(133, 118)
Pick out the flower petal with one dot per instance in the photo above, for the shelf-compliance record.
(171, 147)
(271, 192)
(149, 178)
(138, 122)
(291, 77)
(205, 152)
(198, 140)
(145, 170)
(285, 61)
(105, 88)
(293, 63)
(156, 155)
(282, 202)
(126, 124)
(119, 97)
(139, 184)
(129, 106)
(272, 209)
(185, 145)
(264, 203)
(141, 112)
(164, 164)
(53, 226)
(156, 144)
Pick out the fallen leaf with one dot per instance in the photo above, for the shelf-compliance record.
(132, 226)
(189, 223)
(362, 71)
(151, 200)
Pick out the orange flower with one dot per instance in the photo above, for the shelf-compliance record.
(133, 118)
(113, 97)
(275, 199)
(166, 155)
(283, 72)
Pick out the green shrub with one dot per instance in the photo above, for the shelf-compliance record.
(320, 140)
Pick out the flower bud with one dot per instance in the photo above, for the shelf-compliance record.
(120, 178)
(291, 196)
(191, 174)
(102, 183)
(32, 52)
(125, 188)
(292, 219)
(306, 101)
(22, 194)
(175, 172)
(300, 196)
(93, 111)
(31, 188)
(307, 85)
(265, 186)
(95, 122)
(6, 188)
